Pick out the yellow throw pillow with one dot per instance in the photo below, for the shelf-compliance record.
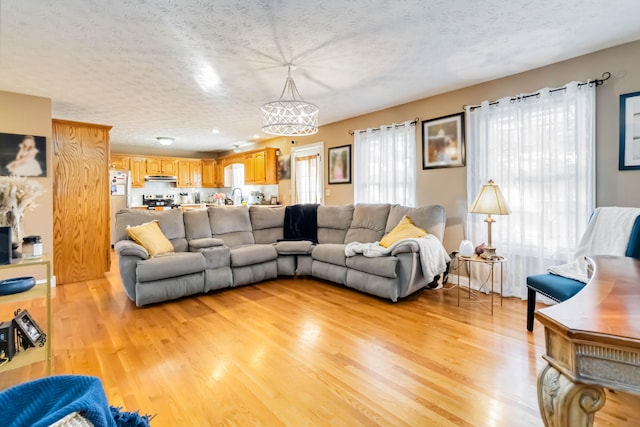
(151, 238)
(405, 229)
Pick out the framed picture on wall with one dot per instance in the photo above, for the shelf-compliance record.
(340, 165)
(284, 167)
(23, 155)
(629, 156)
(443, 142)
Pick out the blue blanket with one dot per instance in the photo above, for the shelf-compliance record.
(43, 402)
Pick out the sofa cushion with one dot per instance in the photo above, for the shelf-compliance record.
(170, 265)
(333, 223)
(431, 218)
(217, 257)
(150, 237)
(368, 224)
(171, 222)
(231, 224)
(405, 229)
(332, 253)
(267, 223)
(294, 247)
(196, 224)
(385, 266)
(252, 254)
(205, 243)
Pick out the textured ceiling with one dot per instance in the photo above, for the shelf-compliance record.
(181, 68)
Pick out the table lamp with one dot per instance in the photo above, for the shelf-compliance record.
(491, 202)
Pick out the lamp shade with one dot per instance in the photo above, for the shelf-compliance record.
(490, 201)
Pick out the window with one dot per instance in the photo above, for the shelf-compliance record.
(385, 165)
(540, 150)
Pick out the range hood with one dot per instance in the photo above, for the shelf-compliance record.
(160, 178)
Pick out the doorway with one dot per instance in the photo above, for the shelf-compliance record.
(307, 177)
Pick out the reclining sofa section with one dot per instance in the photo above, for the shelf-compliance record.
(223, 247)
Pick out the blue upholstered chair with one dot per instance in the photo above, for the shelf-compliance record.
(560, 288)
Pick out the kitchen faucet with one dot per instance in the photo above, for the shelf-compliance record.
(233, 192)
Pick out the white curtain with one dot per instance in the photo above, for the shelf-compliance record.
(540, 150)
(307, 179)
(385, 165)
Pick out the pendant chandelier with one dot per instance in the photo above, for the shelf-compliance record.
(290, 115)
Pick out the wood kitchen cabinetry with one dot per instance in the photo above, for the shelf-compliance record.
(260, 167)
(119, 162)
(138, 168)
(160, 166)
(249, 169)
(189, 173)
(212, 174)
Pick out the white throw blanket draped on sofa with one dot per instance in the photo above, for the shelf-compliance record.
(433, 256)
(607, 234)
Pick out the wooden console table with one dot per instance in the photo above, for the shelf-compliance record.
(592, 342)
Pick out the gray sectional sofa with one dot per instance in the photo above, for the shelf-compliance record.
(222, 247)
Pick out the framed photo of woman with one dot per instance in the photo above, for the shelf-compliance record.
(340, 165)
(23, 155)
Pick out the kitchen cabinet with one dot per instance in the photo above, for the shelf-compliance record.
(195, 173)
(160, 166)
(210, 176)
(260, 166)
(219, 174)
(169, 167)
(138, 168)
(119, 162)
(189, 173)
(249, 170)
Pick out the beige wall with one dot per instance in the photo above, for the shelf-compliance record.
(448, 186)
(24, 114)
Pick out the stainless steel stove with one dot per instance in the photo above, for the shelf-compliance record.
(159, 201)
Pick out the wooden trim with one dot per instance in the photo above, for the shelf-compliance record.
(81, 124)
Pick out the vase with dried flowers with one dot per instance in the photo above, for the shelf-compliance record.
(17, 194)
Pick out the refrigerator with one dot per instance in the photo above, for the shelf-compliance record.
(120, 190)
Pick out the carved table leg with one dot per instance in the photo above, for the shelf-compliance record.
(565, 403)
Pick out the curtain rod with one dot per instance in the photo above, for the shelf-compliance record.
(598, 82)
(416, 120)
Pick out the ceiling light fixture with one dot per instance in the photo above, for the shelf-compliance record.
(290, 115)
(165, 140)
(216, 131)
(236, 148)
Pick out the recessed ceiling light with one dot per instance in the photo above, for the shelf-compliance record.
(215, 130)
(256, 136)
(165, 140)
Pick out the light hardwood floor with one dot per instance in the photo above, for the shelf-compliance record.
(293, 352)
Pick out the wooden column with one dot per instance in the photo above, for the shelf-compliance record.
(80, 201)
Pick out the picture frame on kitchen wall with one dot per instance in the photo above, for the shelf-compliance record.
(23, 155)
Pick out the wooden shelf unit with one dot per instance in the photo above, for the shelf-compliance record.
(9, 303)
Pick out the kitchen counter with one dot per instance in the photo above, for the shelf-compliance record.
(191, 206)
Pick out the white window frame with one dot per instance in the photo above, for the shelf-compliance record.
(307, 150)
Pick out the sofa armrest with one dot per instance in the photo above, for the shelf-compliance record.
(196, 245)
(131, 248)
(405, 247)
